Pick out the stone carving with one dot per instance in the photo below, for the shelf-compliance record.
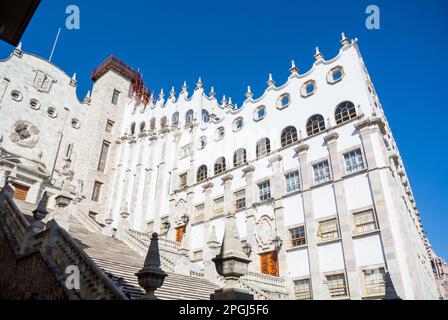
(180, 210)
(24, 134)
(43, 81)
(264, 232)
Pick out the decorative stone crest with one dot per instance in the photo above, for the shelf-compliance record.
(24, 134)
(180, 210)
(264, 232)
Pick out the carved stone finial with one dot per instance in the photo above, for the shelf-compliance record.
(172, 94)
(249, 94)
(199, 84)
(271, 82)
(151, 276)
(18, 50)
(318, 56)
(344, 40)
(41, 211)
(231, 263)
(109, 220)
(184, 87)
(161, 95)
(213, 239)
(212, 93)
(223, 101)
(293, 69)
(88, 98)
(73, 80)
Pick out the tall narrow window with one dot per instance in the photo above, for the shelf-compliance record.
(103, 156)
(199, 213)
(354, 161)
(202, 173)
(109, 126)
(240, 200)
(189, 117)
(263, 147)
(239, 157)
(175, 119)
(292, 181)
(205, 116)
(115, 97)
(265, 190)
(220, 165)
(69, 151)
(322, 172)
(96, 191)
(218, 206)
(183, 180)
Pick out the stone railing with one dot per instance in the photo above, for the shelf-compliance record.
(258, 293)
(87, 221)
(15, 221)
(140, 241)
(267, 283)
(64, 255)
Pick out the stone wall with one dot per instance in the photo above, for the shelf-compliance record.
(19, 279)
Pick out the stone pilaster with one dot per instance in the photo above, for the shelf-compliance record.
(228, 196)
(139, 172)
(346, 227)
(251, 220)
(147, 185)
(159, 183)
(317, 279)
(379, 200)
(118, 176)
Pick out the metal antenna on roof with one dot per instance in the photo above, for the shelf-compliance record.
(54, 45)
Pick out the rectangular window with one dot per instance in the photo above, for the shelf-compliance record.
(374, 282)
(265, 190)
(240, 200)
(103, 156)
(365, 222)
(115, 97)
(302, 289)
(354, 161)
(337, 286)
(199, 213)
(109, 126)
(297, 236)
(292, 182)
(328, 230)
(197, 255)
(68, 153)
(183, 180)
(96, 191)
(218, 206)
(322, 172)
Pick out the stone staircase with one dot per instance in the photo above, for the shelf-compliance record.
(118, 260)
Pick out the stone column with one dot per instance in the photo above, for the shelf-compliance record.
(174, 174)
(279, 212)
(320, 292)
(159, 184)
(228, 198)
(146, 199)
(127, 175)
(208, 212)
(378, 194)
(251, 220)
(345, 225)
(138, 174)
(118, 175)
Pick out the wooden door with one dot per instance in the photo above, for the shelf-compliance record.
(269, 263)
(21, 192)
(180, 233)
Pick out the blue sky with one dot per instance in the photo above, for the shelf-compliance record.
(232, 44)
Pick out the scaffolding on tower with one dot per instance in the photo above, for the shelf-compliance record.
(138, 89)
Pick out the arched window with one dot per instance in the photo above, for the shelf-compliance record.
(289, 136)
(263, 147)
(345, 111)
(189, 117)
(239, 157)
(220, 165)
(205, 116)
(315, 124)
(175, 119)
(202, 173)
(133, 128)
(152, 124)
(163, 122)
(142, 126)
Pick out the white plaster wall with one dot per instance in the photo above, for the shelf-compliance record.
(324, 204)
(197, 236)
(368, 251)
(357, 190)
(331, 257)
(294, 213)
(298, 265)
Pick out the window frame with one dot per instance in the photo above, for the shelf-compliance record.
(300, 239)
(264, 195)
(104, 154)
(363, 224)
(264, 144)
(220, 165)
(327, 232)
(328, 176)
(96, 192)
(239, 157)
(202, 173)
(289, 136)
(315, 125)
(239, 202)
(350, 167)
(345, 112)
(297, 184)
(115, 97)
(257, 111)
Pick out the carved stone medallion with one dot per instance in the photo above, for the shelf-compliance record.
(24, 134)
(264, 232)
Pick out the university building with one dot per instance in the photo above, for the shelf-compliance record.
(310, 170)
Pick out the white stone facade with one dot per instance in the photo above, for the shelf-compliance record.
(149, 154)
